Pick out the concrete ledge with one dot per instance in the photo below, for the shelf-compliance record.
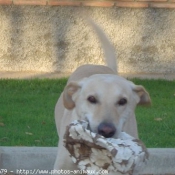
(162, 161)
(14, 159)
(36, 159)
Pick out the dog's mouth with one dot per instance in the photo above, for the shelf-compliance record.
(89, 127)
(106, 130)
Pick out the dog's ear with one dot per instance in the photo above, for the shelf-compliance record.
(68, 92)
(143, 95)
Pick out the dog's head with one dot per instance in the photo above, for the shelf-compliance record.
(105, 101)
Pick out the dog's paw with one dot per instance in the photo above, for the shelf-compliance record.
(93, 152)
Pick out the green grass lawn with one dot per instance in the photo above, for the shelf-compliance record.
(27, 112)
(157, 123)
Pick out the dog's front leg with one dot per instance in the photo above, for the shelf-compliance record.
(63, 164)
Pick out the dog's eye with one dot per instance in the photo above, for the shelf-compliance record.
(122, 101)
(92, 99)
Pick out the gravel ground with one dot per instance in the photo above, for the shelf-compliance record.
(29, 75)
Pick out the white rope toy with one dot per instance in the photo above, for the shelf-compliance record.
(91, 151)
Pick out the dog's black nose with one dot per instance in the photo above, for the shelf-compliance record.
(106, 129)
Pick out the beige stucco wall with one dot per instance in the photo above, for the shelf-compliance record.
(42, 38)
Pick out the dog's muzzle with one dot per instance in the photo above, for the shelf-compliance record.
(106, 129)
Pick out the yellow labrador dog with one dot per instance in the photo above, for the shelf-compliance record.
(96, 94)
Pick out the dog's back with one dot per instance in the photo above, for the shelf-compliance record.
(89, 69)
(109, 58)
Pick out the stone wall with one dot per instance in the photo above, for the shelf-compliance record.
(56, 38)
